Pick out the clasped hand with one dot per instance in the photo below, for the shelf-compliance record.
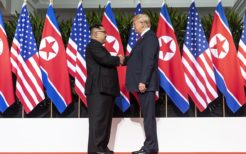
(122, 59)
(142, 87)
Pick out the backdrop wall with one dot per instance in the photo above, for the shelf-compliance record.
(174, 134)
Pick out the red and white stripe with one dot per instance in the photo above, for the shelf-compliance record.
(71, 52)
(200, 78)
(242, 59)
(29, 88)
(77, 68)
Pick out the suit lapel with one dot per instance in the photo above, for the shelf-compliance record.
(139, 42)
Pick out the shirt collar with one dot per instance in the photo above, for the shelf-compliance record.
(142, 34)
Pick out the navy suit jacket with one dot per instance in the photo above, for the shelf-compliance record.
(142, 64)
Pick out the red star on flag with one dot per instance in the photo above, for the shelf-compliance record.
(110, 47)
(48, 48)
(219, 46)
(166, 47)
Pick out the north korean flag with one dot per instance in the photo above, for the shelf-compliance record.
(54, 64)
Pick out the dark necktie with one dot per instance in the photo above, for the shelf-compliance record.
(139, 39)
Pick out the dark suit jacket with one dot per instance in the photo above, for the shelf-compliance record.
(102, 74)
(142, 64)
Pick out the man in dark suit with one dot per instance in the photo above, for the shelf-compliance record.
(101, 88)
(142, 77)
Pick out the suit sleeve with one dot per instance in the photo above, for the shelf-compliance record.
(150, 58)
(102, 57)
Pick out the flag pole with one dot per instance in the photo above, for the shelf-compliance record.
(223, 105)
(195, 111)
(78, 107)
(51, 109)
(24, 1)
(22, 112)
(166, 103)
(52, 2)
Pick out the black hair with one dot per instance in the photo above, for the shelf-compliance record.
(98, 26)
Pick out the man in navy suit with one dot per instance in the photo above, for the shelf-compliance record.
(101, 88)
(142, 77)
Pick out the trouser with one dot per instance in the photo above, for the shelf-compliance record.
(147, 102)
(100, 109)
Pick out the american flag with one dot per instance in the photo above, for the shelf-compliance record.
(133, 35)
(199, 73)
(79, 38)
(172, 80)
(227, 71)
(6, 83)
(114, 45)
(53, 63)
(242, 51)
(25, 64)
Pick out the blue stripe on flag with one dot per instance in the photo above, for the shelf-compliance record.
(178, 100)
(110, 14)
(220, 10)
(1, 20)
(3, 105)
(231, 102)
(51, 14)
(53, 94)
(165, 14)
(122, 103)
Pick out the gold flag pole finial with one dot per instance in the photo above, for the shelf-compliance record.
(24, 1)
(52, 2)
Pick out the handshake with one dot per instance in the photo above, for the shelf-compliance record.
(122, 59)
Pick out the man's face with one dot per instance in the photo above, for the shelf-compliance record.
(138, 26)
(101, 34)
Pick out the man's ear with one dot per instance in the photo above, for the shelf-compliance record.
(95, 34)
